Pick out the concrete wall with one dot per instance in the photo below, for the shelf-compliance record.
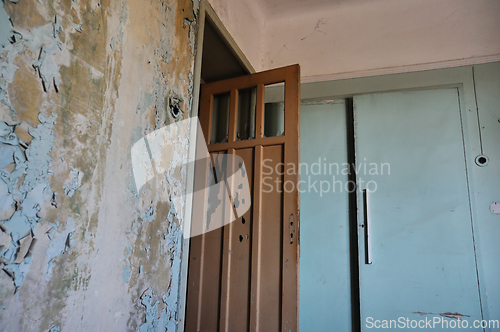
(346, 39)
(82, 249)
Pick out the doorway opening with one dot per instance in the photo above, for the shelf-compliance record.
(218, 57)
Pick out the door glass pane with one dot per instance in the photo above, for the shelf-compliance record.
(274, 110)
(220, 118)
(246, 114)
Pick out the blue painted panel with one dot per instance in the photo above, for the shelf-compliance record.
(486, 189)
(423, 257)
(324, 261)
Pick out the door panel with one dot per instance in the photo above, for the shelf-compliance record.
(268, 269)
(410, 145)
(243, 275)
(235, 287)
(206, 250)
(324, 261)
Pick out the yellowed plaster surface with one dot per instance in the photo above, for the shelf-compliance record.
(117, 64)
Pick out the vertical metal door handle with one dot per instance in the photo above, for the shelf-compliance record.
(368, 239)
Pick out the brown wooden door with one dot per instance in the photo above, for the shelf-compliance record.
(243, 276)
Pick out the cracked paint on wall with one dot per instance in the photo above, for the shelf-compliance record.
(155, 321)
(80, 83)
(166, 319)
(60, 242)
(42, 40)
(34, 163)
(75, 180)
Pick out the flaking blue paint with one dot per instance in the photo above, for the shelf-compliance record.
(52, 231)
(6, 200)
(11, 152)
(75, 176)
(19, 271)
(77, 27)
(31, 204)
(39, 40)
(43, 40)
(35, 163)
(17, 227)
(59, 244)
(5, 27)
(31, 160)
(126, 271)
(57, 26)
(167, 318)
(153, 322)
(7, 152)
(149, 215)
(172, 296)
(37, 155)
(126, 268)
(47, 69)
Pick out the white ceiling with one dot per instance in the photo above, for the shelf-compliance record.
(272, 8)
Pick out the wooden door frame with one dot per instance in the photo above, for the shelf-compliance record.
(205, 12)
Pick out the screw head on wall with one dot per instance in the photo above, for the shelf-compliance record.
(481, 160)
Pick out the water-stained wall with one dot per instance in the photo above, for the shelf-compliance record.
(81, 248)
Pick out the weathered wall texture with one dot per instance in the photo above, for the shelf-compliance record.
(81, 249)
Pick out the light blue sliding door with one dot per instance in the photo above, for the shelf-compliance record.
(422, 255)
(410, 155)
(324, 235)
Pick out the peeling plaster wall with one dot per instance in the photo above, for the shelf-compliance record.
(81, 249)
